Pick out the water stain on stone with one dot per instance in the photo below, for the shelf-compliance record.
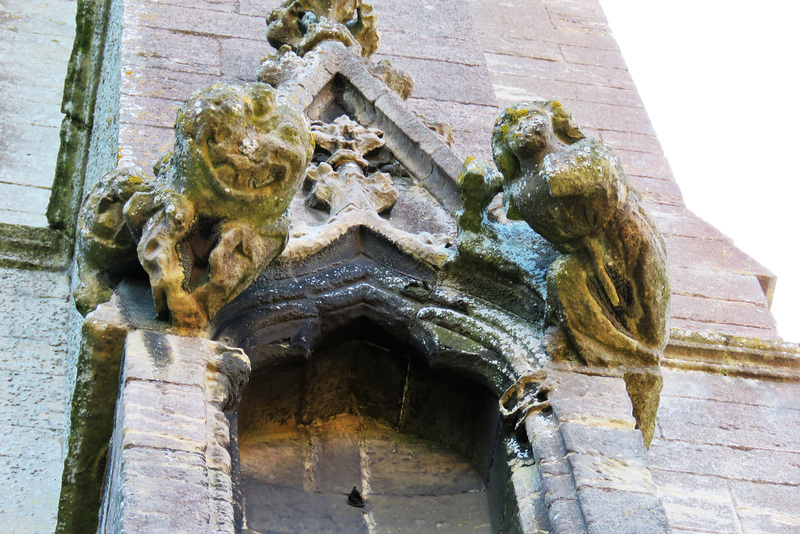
(157, 348)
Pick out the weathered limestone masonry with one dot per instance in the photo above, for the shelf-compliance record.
(173, 448)
(725, 455)
(35, 42)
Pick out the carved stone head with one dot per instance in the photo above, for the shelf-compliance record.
(526, 132)
(303, 24)
(238, 151)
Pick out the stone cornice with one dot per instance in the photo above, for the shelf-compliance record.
(735, 356)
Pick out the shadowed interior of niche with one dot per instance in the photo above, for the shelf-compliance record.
(366, 412)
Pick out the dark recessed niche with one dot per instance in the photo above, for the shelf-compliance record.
(367, 412)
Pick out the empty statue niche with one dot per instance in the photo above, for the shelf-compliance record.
(366, 413)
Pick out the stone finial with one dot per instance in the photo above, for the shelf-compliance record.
(609, 290)
(216, 213)
(303, 24)
(343, 182)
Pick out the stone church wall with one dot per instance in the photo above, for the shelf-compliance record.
(726, 454)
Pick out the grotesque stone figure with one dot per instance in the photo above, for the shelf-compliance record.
(216, 212)
(609, 289)
(302, 24)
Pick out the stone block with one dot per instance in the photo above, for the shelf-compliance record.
(35, 318)
(440, 80)
(467, 117)
(177, 360)
(616, 97)
(34, 283)
(657, 192)
(706, 310)
(733, 330)
(158, 48)
(463, 512)
(194, 20)
(712, 255)
(681, 221)
(519, 46)
(171, 84)
(775, 499)
(697, 502)
(210, 5)
(607, 458)
(759, 522)
(558, 487)
(240, 59)
(647, 165)
(338, 460)
(591, 400)
(405, 465)
(608, 116)
(440, 48)
(283, 510)
(622, 512)
(163, 416)
(514, 88)
(743, 463)
(378, 383)
(270, 400)
(328, 390)
(631, 141)
(277, 459)
(146, 111)
(716, 285)
(23, 198)
(21, 218)
(566, 515)
(142, 146)
(731, 424)
(257, 8)
(435, 18)
(592, 56)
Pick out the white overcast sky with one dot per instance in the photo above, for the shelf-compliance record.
(721, 83)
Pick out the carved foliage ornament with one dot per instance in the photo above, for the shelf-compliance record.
(214, 215)
(303, 24)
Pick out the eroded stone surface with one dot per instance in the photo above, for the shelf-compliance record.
(299, 481)
(214, 216)
(609, 290)
(170, 460)
(302, 24)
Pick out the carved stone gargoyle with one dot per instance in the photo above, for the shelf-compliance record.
(216, 213)
(608, 290)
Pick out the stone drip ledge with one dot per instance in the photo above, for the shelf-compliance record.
(28, 247)
(594, 467)
(735, 356)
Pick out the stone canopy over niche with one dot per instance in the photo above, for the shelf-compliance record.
(382, 293)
